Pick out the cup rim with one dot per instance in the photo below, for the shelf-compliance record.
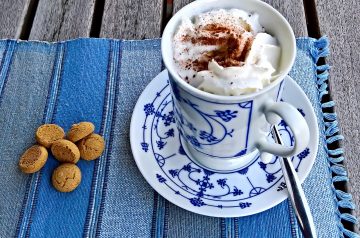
(167, 36)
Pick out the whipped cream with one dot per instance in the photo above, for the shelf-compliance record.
(225, 52)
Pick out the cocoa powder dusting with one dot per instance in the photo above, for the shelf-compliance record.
(233, 46)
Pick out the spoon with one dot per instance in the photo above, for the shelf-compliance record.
(296, 193)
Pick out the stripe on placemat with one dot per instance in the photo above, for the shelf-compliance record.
(127, 204)
(295, 229)
(228, 228)
(5, 65)
(103, 189)
(183, 223)
(80, 98)
(274, 222)
(21, 111)
(160, 216)
(30, 198)
(93, 219)
(4, 44)
(236, 226)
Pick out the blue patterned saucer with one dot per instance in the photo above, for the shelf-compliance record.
(160, 156)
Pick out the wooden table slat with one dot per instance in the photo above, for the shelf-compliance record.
(293, 11)
(12, 15)
(178, 4)
(62, 19)
(132, 19)
(339, 20)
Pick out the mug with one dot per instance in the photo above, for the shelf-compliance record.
(224, 133)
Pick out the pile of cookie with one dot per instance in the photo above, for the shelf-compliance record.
(80, 142)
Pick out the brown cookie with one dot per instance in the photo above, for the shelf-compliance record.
(66, 177)
(91, 147)
(33, 159)
(48, 134)
(65, 151)
(80, 130)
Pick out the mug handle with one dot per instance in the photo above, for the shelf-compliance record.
(297, 124)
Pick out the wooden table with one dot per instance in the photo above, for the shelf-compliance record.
(54, 20)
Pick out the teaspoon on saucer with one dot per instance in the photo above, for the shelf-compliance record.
(296, 193)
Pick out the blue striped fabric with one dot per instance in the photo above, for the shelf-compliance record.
(99, 80)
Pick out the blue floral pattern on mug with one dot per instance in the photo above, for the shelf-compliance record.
(226, 115)
(216, 128)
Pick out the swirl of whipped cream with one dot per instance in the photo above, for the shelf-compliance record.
(225, 52)
(253, 76)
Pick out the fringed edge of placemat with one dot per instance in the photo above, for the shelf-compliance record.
(342, 198)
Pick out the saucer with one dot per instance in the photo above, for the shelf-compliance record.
(159, 153)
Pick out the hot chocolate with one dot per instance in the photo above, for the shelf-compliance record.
(225, 52)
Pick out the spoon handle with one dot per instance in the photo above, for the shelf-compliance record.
(296, 193)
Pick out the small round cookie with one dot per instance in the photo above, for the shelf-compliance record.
(48, 134)
(91, 147)
(65, 151)
(33, 159)
(80, 130)
(66, 177)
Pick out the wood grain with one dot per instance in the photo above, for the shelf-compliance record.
(62, 19)
(292, 10)
(132, 19)
(178, 4)
(339, 20)
(12, 15)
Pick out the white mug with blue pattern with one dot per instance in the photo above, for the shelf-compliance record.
(224, 133)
